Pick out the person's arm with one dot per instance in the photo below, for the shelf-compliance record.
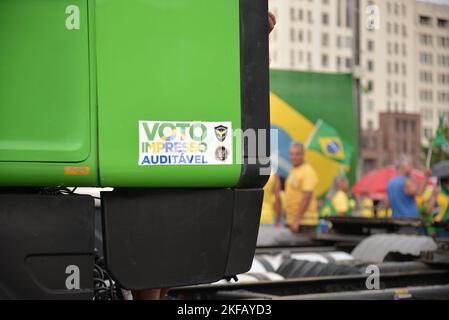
(277, 200)
(423, 186)
(430, 206)
(271, 21)
(304, 204)
(411, 188)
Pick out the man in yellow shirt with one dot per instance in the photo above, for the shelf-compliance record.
(301, 204)
(271, 206)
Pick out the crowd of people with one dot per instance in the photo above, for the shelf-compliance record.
(293, 202)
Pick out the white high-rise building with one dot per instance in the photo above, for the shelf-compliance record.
(404, 51)
(312, 35)
(432, 64)
(387, 58)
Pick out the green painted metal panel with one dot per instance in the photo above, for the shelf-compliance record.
(171, 60)
(47, 95)
(149, 69)
(44, 77)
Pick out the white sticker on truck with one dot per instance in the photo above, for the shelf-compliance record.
(179, 143)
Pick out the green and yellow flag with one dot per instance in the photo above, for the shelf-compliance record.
(440, 140)
(328, 209)
(326, 140)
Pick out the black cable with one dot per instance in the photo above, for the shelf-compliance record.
(105, 288)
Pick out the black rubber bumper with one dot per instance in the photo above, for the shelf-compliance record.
(46, 246)
(161, 238)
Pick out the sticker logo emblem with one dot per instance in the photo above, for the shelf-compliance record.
(184, 143)
(221, 154)
(221, 132)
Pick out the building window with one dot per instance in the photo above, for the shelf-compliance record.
(325, 39)
(426, 39)
(444, 114)
(443, 78)
(443, 23)
(309, 16)
(325, 19)
(443, 60)
(426, 58)
(348, 42)
(348, 63)
(426, 95)
(425, 21)
(370, 106)
(443, 42)
(324, 61)
(349, 18)
(426, 77)
(428, 133)
(370, 45)
(339, 13)
(443, 97)
(427, 114)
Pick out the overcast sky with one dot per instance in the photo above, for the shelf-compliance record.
(437, 1)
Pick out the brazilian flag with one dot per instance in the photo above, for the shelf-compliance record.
(326, 140)
(440, 140)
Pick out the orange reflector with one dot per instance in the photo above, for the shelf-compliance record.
(76, 171)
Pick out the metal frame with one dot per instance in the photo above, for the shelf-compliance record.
(305, 286)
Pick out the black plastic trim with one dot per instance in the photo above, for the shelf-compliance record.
(255, 98)
(163, 238)
(40, 236)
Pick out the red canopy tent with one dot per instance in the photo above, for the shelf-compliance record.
(374, 183)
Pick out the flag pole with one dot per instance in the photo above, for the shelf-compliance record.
(429, 155)
(315, 130)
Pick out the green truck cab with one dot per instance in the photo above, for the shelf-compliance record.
(144, 97)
